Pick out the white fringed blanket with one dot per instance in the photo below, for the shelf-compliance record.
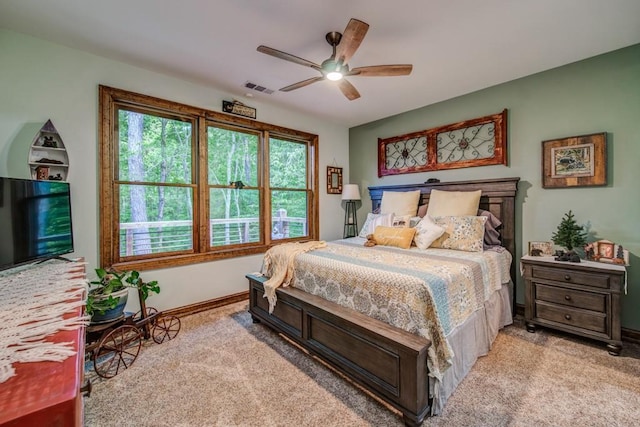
(33, 302)
(278, 266)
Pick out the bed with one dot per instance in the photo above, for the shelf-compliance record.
(410, 368)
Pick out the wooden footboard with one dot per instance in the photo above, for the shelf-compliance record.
(389, 362)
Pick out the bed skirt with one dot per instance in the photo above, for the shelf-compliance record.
(471, 340)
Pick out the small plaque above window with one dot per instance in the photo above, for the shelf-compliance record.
(475, 142)
(239, 109)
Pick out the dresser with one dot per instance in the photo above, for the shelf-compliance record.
(48, 393)
(580, 298)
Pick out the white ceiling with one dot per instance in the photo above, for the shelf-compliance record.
(456, 46)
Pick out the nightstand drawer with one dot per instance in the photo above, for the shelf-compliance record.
(571, 297)
(567, 316)
(567, 276)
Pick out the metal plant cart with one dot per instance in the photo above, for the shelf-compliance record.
(113, 346)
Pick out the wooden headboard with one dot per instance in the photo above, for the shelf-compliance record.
(498, 197)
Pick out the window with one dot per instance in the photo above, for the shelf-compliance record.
(182, 185)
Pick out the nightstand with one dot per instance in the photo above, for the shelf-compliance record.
(580, 298)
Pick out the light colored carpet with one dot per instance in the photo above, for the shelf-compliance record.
(223, 370)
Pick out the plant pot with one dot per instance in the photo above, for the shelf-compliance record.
(114, 313)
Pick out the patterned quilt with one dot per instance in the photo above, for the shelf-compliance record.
(426, 292)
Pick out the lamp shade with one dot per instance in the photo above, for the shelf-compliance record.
(350, 192)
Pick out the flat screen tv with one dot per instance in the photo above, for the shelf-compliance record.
(35, 221)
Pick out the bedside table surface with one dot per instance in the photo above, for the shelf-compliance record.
(582, 263)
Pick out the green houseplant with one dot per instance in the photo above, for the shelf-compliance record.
(569, 235)
(108, 294)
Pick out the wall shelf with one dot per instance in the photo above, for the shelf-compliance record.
(48, 145)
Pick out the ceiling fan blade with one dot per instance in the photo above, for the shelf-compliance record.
(351, 39)
(382, 70)
(348, 89)
(302, 84)
(288, 57)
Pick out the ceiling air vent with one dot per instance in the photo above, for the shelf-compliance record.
(258, 88)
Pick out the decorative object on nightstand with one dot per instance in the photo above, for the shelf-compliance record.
(607, 251)
(350, 193)
(540, 248)
(569, 235)
(583, 299)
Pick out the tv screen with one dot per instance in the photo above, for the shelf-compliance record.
(35, 221)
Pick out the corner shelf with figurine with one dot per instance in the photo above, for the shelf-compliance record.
(48, 159)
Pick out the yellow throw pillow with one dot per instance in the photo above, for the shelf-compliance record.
(453, 203)
(394, 236)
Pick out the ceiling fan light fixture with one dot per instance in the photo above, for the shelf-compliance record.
(334, 76)
(336, 67)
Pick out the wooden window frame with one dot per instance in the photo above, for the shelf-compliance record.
(110, 99)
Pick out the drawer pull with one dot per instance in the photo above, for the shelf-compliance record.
(567, 277)
(567, 316)
(567, 297)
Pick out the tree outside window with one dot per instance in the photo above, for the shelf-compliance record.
(182, 185)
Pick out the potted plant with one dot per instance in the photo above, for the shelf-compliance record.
(108, 294)
(569, 235)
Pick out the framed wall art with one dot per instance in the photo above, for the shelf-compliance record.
(577, 161)
(334, 180)
(476, 142)
(403, 154)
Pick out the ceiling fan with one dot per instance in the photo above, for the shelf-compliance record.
(336, 67)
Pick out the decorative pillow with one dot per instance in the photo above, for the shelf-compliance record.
(414, 220)
(453, 203)
(422, 210)
(394, 236)
(491, 233)
(373, 220)
(463, 233)
(401, 221)
(427, 232)
(400, 202)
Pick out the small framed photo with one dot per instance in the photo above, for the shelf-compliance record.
(607, 251)
(540, 248)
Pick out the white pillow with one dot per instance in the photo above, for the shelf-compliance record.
(374, 220)
(401, 221)
(453, 203)
(427, 232)
(414, 220)
(400, 202)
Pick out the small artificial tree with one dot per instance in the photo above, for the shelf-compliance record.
(569, 234)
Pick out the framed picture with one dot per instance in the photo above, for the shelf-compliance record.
(477, 142)
(403, 154)
(577, 161)
(540, 248)
(607, 251)
(334, 180)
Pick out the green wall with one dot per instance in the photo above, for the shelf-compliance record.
(600, 94)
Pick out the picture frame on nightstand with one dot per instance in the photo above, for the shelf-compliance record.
(607, 251)
(540, 248)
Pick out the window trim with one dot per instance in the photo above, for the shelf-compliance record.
(109, 98)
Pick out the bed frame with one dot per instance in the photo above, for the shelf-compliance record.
(385, 360)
